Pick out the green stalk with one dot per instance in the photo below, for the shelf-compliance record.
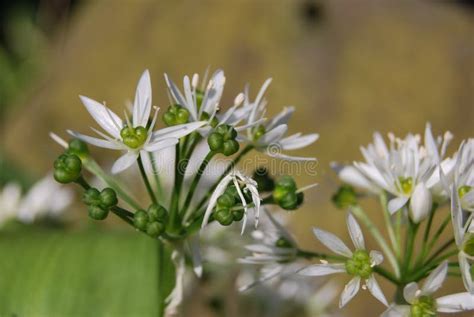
(361, 215)
(410, 243)
(389, 225)
(146, 181)
(174, 219)
(426, 235)
(441, 249)
(438, 233)
(155, 174)
(160, 272)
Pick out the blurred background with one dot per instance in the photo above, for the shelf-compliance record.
(350, 68)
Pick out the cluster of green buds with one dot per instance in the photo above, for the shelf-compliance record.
(225, 213)
(222, 140)
(153, 221)
(285, 193)
(77, 147)
(345, 197)
(423, 306)
(67, 168)
(175, 115)
(134, 137)
(360, 264)
(99, 202)
(264, 181)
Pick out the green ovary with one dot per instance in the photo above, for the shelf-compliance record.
(258, 132)
(359, 264)
(424, 306)
(134, 137)
(406, 184)
(463, 190)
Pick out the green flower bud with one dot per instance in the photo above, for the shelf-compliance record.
(227, 131)
(155, 229)
(78, 147)
(226, 200)
(176, 114)
(423, 306)
(134, 137)
(158, 213)
(224, 217)
(345, 197)
(108, 198)
(232, 191)
(97, 212)
(289, 201)
(237, 215)
(91, 197)
(67, 168)
(285, 189)
(283, 243)
(230, 147)
(205, 117)
(264, 181)
(215, 141)
(140, 220)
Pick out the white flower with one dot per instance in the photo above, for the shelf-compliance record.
(422, 301)
(204, 104)
(400, 167)
(132, 136)
(359, 263)
(9, 201)
(249, 185)
(269, 137)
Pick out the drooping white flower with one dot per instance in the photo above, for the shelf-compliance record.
(203, 103)
(359, 264)
(269, 137)
(134, 136)
(422, 301)
(400, 167)
(238, 179)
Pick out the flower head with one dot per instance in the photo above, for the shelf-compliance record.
(136, 135)
(358, 264)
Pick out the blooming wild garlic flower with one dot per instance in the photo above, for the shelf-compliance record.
(134, 136)
(270, 137)
(249, 186)
(403, 169)
(422, 303)
(359, 264)
(462, 208)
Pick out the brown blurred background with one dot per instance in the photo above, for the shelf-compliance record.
(350, 68)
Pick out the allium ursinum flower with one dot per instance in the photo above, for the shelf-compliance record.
(135, 136)
(358, 264)
(44, 198)
(462, 208)
(203, 104)
(402, 169)
(422, 303)
(269, 137)
(237, 179)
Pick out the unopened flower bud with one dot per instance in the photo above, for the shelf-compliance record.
(140, 220)
(155, 229)
(264, 181)
(226, 200)
(67, 168)
(158, 213)
(108, 198)
(344, 197)
(237, 215)
(97, 212)
(224, 216)
(176, 114)
(78, 147)
(91, 197)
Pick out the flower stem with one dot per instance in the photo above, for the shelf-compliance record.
(160, 270)
(389, 224)
(145, 180)
(409, 245)
(361, 215)
(441, 249)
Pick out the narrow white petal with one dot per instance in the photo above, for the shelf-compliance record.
(300, 142)
(142, 104)
(376, 257)
(124, 162)
(455, 303)
(97, 142)
(396, 204)
(322, 269)
(195, 249)
(350, 290)
(397, 311)
(456, 215)
(465, 269)
(178, 131)
(160, 144)
(375, 290)
(213, 200)
(289, 157)
(273, 135)
(105, 117)
(410, 292)
(281, 118)
(430, 143)
(355, 232)
(435, 279)
(352, 176)
(58, 140)
(332, 242)
(420, 203)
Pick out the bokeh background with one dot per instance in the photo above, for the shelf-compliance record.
(350, 68)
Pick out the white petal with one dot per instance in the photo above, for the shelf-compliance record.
(105, 117)
(396, 204)
(196, 254)
(332, 242)
(97, 142)
(281, 118)
(352, 176)
(465, 269)
(124, 162)
(350, 290)
(430, 144)
(58, 140)
(300, 142)
(455, 303)
(178, 131)
(289, 157)
(420, 203)
(397, 311)
(375, 290)
(355, 232)
(142, 104)
(435, 279)
(410, 292)
(376, 257)
(322, 269)
(273, 135)
(213, 95)
(213, 200)
(456, 215)
(160, 144)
